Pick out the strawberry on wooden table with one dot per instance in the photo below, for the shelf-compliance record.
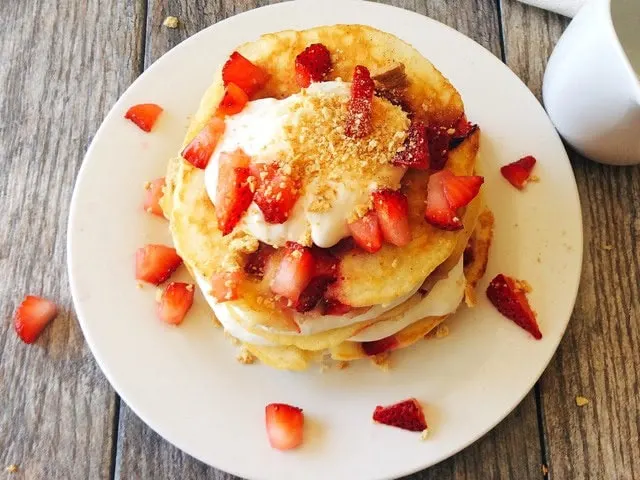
(518, 173)
(33, 314)
(233, 191)
(233, 101)
(156, 263)
(312, 64)
(415, 152)
(276, 192)
(510, 300)
(392, 209)
(199, 151)
(152, 195)
(366, 232)
(246, 75)
(360, 104)
(407, 415)
(144, 115)
(175, 302)
(285, 425)
(225, 286)
(294, 272)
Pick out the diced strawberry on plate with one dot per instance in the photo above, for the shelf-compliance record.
(383, 345)
(360, 104)
(415, 152)
(175, 302)
(32, 315)
(233, 191)
(144, 115)
(294, 272)
(276, 192)
(312, 64)
(199, 151)
(519, 172)
(407, 415)
(233, 101)
(246, 75)
(392, 209)
(511, 301)
(152, 195)
(285, 425)
(225, 286)
(366, 232)
(156, 263)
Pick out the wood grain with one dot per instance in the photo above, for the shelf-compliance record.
(599, 357)
(63, 64)
(512, 450)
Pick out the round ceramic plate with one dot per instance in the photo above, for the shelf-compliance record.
(185, 382)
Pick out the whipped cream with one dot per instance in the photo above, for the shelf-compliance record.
(260, 131)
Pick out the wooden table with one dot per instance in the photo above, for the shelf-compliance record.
(63, 63)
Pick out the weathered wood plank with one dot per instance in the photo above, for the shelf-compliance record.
(599, 357)
(63, 65)
(512, 450)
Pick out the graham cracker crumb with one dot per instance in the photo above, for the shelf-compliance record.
(296, 254)
(13, 468)
(425, 434)
(245, 357)
(216, 322)
(382, 361)
(534, 179)
(607, 247)
(342, 365)
(159, 292)
(171, 22)
(394, 264)
(147, 185)
(581, 401)
(442, 331)
(305, 240)
(139, 285)
(524, 286)
(189, 288)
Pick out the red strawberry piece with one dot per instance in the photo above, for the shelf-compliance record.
(312, 65)
(415, 153)
(152, 195)
(233, 101)
(294, 272)
(407, 415)
(510, 300)
(438, 147)
(156, 263)
(360, 103)
(33, 314)
(343, 246)
(460, 190)
(463, 129)
(199, 151)
(311, 295)
(233, 191)
(392, 209)
(334, 307)
(244, 74)
(376, 347)
(175, 302)
(144, 115)
(276, 193)
(439, 213)
(518, 172)
(256, 263)
(285, 425)
(366, 232)
(325, 265)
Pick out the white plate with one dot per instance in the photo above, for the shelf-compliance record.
(185, 382)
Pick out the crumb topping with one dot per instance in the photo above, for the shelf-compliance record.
(442, 331)
(581, 401)
(171, 22)
(245, 357)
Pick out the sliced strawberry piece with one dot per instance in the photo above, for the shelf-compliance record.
(175, 302)
(152, 195)
(199, 151)
(511, 301)
(244, 74)
(144, 115)
(334, 307)
(257, 261)
(156, 263)
(438, 147)
(376, 347)
(225, 286)
(407, 415)
(311, 295)
(360, 103)
(415, 153)
(460, 190)
(233, 101)
(392, 209)
(518, 172)
(366, 232)
(233, 191)
(325, 264)
(285, 425)
(312, 65)
(294, 272)
(33, 314)
(463, 129)
(276, 193)
(439, 213)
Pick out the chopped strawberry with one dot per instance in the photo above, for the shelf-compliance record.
(446, 193)
(243, 73)
(276, 192)
(366, 232)
(156, 263)
(284, 425)
(510, 300)
(311, 295)
(343, 246)
(175, 302)
(518, 172)
(225, 285)
(33, 314)
(438, 147)
(257, 261)
(333, 307)
(233, 191)
(152, 195)
(294, 272)
(144, 115)
(359, 109)
(325, 265)
(407, 415)
(460, 190)
(392, 209)
(233, 101)
(415, 153)
(199, 151)
(463, 129)
(376, 347)
(312, 65)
